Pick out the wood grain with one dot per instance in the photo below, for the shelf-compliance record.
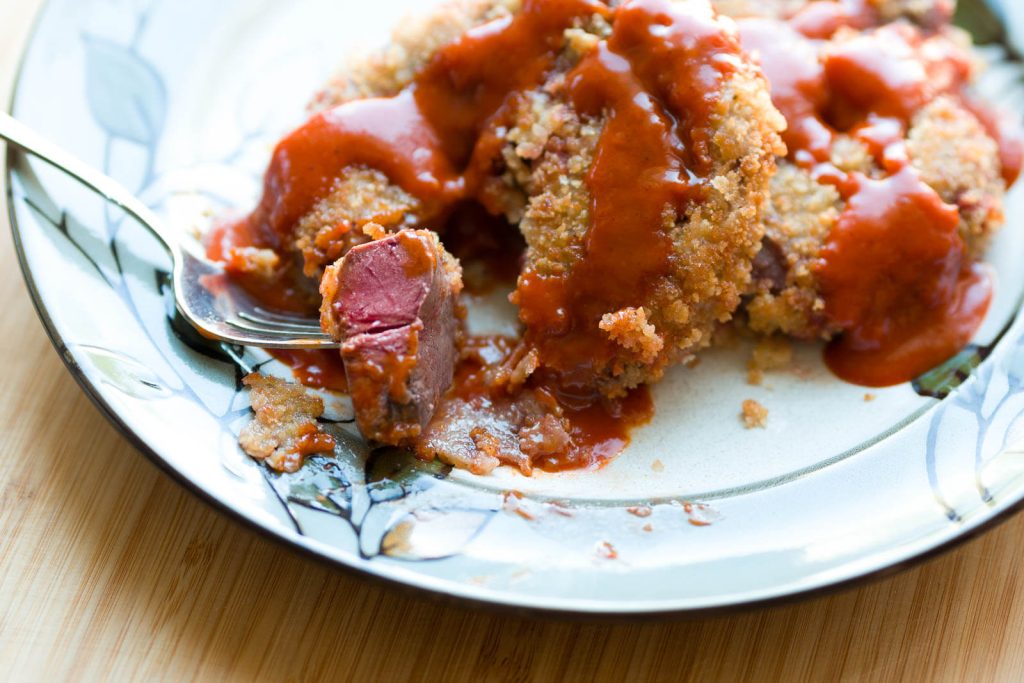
(110, 570)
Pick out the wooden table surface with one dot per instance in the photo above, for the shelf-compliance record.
(110, 570)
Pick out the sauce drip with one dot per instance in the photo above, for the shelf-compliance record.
(1007, 133)
(895, 275)
(894, 272)
(797, 78)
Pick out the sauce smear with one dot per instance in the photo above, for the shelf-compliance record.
(485, 419)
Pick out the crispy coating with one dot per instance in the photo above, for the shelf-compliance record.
(770, 353)
(284, 428)
(713, 244)
(360, 197)
(385, 72)
(955, 155)
(784, 291)
(754, 415)
(944, 142)
(549, 153)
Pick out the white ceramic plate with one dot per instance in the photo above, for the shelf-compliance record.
(181, 100)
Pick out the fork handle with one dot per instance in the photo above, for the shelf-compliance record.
(20, 135)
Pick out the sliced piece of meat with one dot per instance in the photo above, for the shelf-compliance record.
(478, 433)
(392, 304)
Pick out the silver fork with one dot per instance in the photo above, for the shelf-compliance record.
(206, 297)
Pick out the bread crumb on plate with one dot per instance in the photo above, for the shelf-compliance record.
(754, 414)
(770, 353)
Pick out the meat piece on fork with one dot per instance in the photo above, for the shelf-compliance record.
(392, 303)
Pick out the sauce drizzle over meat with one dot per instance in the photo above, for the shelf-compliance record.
(658, 77)
(894, 273)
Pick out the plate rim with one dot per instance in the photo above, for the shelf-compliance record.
(492, 601)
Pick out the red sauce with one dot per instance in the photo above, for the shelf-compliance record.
(285, 290)
(657, 79)
(891, 72)
(884, 139)
(894, 273)
(1007, 133)
(600, 430)
(314, 442)
(799, 89)
(390, 135)
(320, 369)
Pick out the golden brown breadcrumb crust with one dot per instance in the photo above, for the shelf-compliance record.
(784, 293)
(284, 428)
(385, 72)
(754, 415)
(713, 244)
(954, 154)
(360, 197)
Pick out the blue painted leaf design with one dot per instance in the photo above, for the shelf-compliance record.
(319, 485)
(981, 20)
(126, 95)
(941, 381)
(433, 534)
(124, 373)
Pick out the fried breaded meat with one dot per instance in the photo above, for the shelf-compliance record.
(623, 275)
(865, 103)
